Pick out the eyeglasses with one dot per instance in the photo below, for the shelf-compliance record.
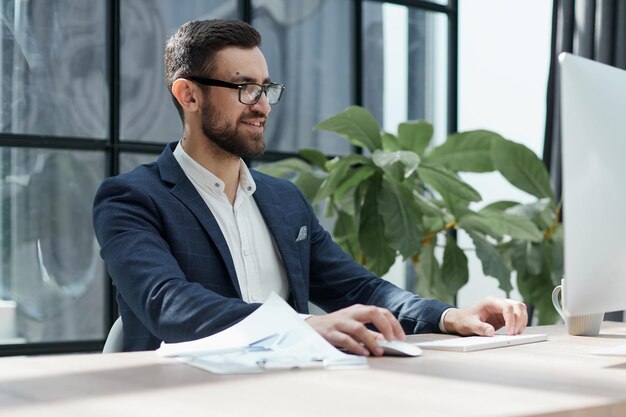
(249, 93)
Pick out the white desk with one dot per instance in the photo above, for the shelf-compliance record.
(554, 378)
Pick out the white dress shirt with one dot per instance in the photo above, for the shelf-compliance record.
(257, 261)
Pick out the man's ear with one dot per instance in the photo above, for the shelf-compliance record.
(187, 94)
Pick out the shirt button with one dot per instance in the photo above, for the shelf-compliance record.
(249, 188)
(217, 185)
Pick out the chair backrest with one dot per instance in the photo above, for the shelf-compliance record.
(115, 339)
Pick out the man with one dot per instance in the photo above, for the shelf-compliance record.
(195, 241)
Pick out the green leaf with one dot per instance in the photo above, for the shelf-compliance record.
(390, 142)
(285, 168)
(540, 211)
(454, 271)
(476, 222)
(493, 264)
(355, 124)
(521, 167)
(397, 206)
(534, 259)
(354, 178)
(338, 169)
(379, 256)
(433, 223)
(536, 291)
(446, 182)
(345, 234)
(309, 184)
(517, 227)
(429, 282)
(499, 206)
(398, 164)
(415, 136)
(314, 156)
(467, 151)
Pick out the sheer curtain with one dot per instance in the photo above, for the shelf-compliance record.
(594, 29)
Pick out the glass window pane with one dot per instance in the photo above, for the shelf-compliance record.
(405, 65)
(54, 69)
(49, 257)
(147, 112)
(308, 47)
(129, 161)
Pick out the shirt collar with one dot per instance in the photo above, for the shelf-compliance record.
(210, 181)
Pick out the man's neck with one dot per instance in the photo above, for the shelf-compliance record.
(221, 164)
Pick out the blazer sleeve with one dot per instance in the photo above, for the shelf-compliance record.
(338, 281)
(130, 231)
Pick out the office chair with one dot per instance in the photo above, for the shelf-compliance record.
(115, 339)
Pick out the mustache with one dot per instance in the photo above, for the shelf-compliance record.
(254, 115)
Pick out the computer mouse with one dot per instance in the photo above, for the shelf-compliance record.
(398, 348)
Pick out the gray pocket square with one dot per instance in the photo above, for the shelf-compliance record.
(302, 234)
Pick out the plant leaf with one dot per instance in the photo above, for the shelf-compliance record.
(314, 157)
(517, 227)
(338, 169)
(493, 264)
(354, 178)
(397, 206)
(454, 270)
(466, 151)
(499, 206)
(536, 291)
(476, 222)
(285, 168)
(415, 136)
(390, 142)
(522, 168)
(446, 182)
(398, 164)
(380, 257)
(355, 124)
(345, 234)
(309, 184)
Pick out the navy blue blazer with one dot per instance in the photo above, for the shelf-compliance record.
(175, 276)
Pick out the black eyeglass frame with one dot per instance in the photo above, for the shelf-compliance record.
(239, 87)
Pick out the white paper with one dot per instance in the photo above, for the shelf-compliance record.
(619, 350)
(286, 342)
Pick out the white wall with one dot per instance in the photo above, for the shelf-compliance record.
(504, 52)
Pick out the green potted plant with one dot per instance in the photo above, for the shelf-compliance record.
(404, 197)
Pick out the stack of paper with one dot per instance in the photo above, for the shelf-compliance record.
(273, 337)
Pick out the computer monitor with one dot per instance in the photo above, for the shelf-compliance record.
(593, 120)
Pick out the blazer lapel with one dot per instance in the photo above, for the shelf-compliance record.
(184, 191)
(272, 210)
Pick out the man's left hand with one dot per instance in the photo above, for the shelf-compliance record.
(487, 316)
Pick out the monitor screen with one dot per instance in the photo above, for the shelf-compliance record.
(593, 120)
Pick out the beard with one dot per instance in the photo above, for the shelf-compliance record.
(228, 137)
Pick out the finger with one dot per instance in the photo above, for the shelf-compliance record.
(384, 321)
(509, 316)
(362, 335)
(483, 329)
(521, 315)
(345, 341)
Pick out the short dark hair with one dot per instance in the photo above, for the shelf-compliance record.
(191, 50)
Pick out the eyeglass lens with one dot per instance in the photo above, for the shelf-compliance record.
(251, 93)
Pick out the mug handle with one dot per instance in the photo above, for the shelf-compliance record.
(555, 300)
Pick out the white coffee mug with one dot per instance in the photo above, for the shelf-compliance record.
(586, 325)
(7, 319)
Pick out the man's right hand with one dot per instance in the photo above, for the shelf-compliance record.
(346, 328)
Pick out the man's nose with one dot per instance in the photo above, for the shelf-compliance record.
(263, 105)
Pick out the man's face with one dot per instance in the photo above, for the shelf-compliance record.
(235, 127)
